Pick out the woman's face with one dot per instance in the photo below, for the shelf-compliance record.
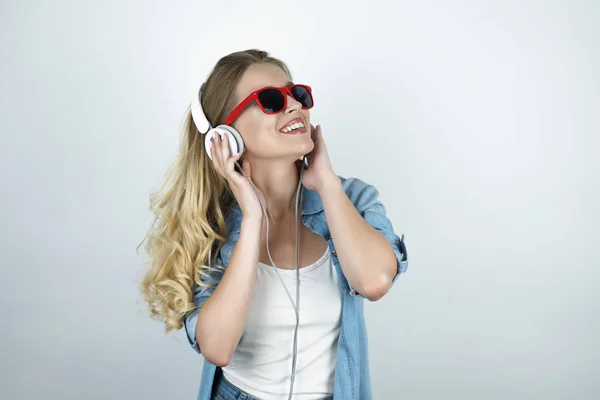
(261, 132)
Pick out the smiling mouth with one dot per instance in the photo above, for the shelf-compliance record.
(295, 127)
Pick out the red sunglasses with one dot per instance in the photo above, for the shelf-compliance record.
(273, 100)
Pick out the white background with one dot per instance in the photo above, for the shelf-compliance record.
(478, 121)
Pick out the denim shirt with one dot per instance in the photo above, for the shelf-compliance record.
(352, 380)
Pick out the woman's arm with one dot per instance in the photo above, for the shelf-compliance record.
(367, 258)
(222, 318)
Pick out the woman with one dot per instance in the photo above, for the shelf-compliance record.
(213, 272)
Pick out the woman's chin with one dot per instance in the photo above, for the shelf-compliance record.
(295, 149)
(306, 146)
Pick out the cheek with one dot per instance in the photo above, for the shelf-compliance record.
(264, 123)
(255, 126)
(306, 115)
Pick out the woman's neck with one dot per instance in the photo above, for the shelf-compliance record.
(278, 181)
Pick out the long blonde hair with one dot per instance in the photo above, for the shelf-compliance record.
(191, 205)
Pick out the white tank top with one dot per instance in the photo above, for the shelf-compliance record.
(262, 362)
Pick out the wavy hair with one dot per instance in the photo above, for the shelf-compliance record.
(191, 204)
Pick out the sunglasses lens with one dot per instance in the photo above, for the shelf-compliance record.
(271, 100)
(302, 95)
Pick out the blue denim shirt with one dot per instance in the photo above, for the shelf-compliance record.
(352, 380)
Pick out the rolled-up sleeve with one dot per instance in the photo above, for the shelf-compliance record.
(201, 294)
(376, 216)
(365, 198)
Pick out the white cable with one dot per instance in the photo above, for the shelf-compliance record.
(296, 306)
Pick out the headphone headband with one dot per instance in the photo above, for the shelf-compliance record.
(202, 123)
(236, 144)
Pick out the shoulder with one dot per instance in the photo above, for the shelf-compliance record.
(362, 194)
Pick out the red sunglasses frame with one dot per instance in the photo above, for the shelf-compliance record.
(254, 97)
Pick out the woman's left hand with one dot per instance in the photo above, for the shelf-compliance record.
(319, 170)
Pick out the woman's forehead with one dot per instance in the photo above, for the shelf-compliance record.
(258, 76)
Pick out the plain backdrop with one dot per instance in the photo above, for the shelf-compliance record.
(478, 121)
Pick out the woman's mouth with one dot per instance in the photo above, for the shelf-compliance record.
(295, 126)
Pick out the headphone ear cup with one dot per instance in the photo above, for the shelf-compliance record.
(235, 135)
(236, 144)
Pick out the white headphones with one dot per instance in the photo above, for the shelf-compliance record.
(236, 144)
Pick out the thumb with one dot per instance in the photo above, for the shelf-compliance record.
(246, 168)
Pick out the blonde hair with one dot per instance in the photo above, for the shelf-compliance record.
(191, 204)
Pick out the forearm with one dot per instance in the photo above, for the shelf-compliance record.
(223, 316)
(366, 256)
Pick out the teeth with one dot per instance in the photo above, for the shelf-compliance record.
(292, 127)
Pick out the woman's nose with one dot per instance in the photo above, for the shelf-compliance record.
(292, 104)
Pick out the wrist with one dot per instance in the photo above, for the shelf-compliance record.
(252, 221)
(330, 182)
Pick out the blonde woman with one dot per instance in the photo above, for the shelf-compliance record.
(215, 273)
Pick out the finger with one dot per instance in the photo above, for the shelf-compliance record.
(225, 151)
(317, 134)
(246, 168)
(231, 171)
(214, 153)
(239, 175)
(220, 162)
(312, 131)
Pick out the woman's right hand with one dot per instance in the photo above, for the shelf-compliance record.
(243, 189)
